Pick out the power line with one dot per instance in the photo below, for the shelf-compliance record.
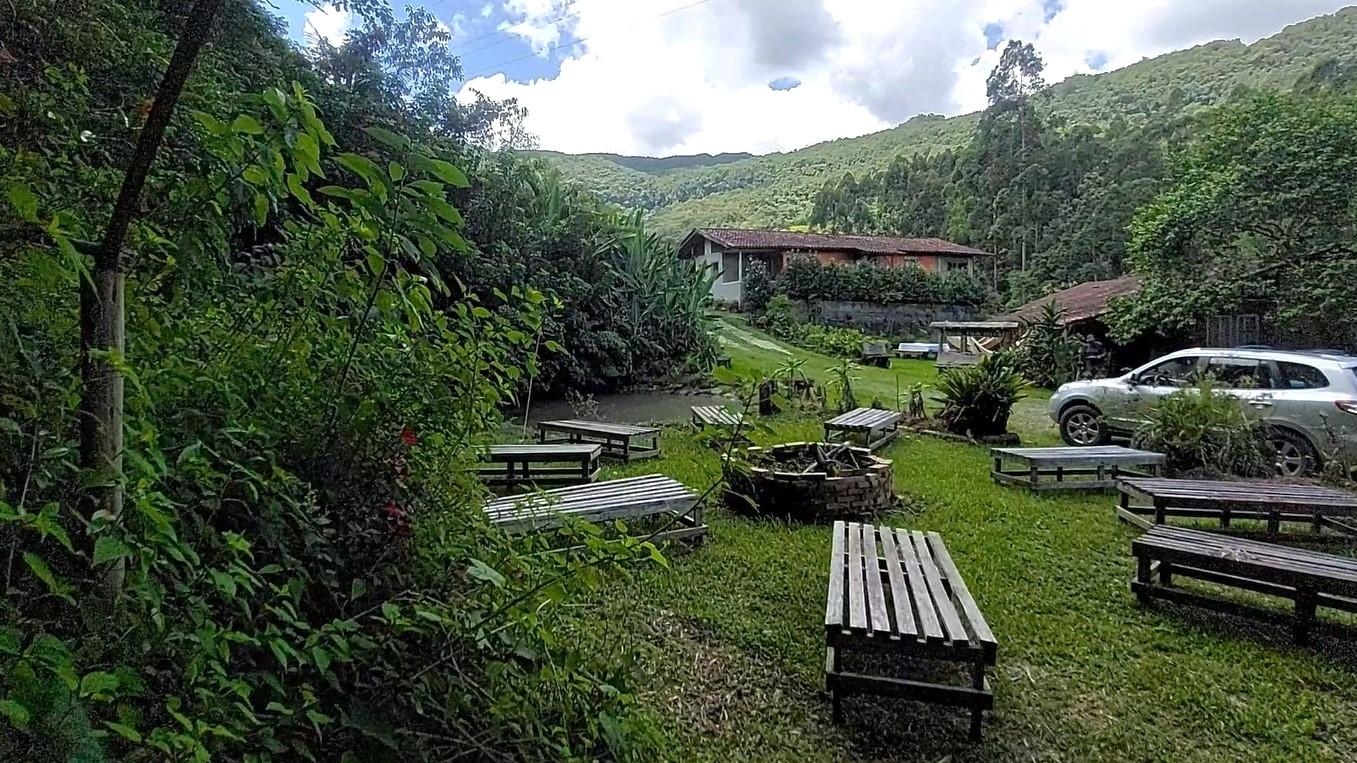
(506, 32)
(493, 67)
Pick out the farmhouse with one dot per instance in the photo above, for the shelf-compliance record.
(729, 251)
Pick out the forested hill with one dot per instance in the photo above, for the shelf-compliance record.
(778, 189)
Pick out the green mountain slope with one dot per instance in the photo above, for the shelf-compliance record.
(776, 189)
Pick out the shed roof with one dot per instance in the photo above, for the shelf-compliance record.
(1081, 302)
(745, 238)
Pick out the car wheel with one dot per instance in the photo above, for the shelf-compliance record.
(1083, 425)
(1296, 457)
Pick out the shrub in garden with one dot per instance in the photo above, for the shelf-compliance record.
(1201, 429)
(758, 287)
(1048, 355)
(977, 400)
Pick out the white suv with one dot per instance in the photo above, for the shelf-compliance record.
(1306, 399)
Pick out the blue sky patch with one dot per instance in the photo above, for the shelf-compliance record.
(994, 34)
(1096, 59)
(479, 42)
(1049, 8)
(785, 83)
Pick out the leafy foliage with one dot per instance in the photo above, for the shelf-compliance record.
(301, 569)
(1048, 355)
(1203, 430)
(1259, 215)
(807, 278)
(977, 400)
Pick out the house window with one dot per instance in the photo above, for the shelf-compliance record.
(952, 265)
(730, 267)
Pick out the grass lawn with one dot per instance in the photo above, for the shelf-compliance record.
(731, 639)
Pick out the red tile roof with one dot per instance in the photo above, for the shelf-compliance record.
(742, 238)
(1081, 302)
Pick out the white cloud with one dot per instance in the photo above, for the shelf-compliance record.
(664, 76)
(327, 23)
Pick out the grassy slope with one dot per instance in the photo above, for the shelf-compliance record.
(732, 641)
(777, 189)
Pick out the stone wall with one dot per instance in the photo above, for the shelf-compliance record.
(898, 322)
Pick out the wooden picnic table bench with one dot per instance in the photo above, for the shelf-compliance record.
(873, 426)
(903, 597)
(715, 416)
(647, 496)
(564, 464)
(620, 441)
(1273, 502)
(1092, 468)
(1309, 578)
(916, 350)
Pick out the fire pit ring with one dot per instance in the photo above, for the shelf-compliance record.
(811, 481)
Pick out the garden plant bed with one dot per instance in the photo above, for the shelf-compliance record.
(811, 481)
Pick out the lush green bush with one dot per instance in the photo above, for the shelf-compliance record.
(1048, 355)
(778, 318)
(300, 569)
(806, 278)
(758, 288)
(977, 400)
(1203, 430)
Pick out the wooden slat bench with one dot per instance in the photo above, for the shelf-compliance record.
(874, 427)
(621, 441)
(1308, 578)
(921, 350)
(567, 464)
(1092, 468)
(903, 597)
(647, 496)
(715, 416)
(1272, 502)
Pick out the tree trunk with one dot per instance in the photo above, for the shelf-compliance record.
(101, 305)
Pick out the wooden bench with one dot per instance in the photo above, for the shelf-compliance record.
(1308, 578)
(903, 597)
(874, 427)
(647, 496)
(540, 464)
(723, 361)
(621, 441)
(1272, 502)
(720, 418)
(1092, 468)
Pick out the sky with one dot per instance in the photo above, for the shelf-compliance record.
(663, 77)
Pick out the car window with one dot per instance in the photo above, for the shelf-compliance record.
(1239, 373)
(1299, 376)
(1176, 372)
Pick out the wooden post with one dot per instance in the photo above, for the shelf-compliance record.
(1160, 511)
(1305, 614)
(102, 321)
(978, 683)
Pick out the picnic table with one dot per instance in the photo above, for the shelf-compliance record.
(563, 464)
(1273, 502)
(876, 353)
(647, 496)
(905, 599)
(873, 426)
(1308, 578)
(621, 441)
(1092, 468)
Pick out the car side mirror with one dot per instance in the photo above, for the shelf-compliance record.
(1133, 382)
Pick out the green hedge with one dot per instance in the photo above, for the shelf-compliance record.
(805, 278)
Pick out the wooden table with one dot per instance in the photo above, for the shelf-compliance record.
(1094, 468)
(1308, 578)
(874, 427)
(907, 599)
(1273, 502)
(647, 496)
(619, 441)
(567, 464)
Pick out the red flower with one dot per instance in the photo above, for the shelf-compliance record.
(408, 436)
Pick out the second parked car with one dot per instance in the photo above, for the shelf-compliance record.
(1306, 400)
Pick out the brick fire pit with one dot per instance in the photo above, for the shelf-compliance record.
(788, 480)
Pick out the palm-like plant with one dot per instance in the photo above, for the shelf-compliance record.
(843, 377)
(977, 400)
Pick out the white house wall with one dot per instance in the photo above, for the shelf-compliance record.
(722, 292)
